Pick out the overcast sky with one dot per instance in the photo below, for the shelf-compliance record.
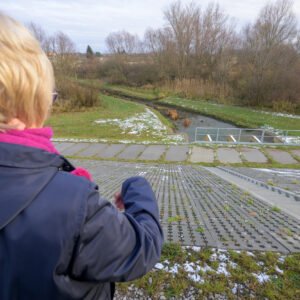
(90, 21)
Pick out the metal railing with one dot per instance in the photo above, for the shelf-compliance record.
(247, 136)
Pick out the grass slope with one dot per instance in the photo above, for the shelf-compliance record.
(82, 125)
(241, 116)
(145, 94)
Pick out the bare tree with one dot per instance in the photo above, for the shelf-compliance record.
(40, 35)
(269, 48)
(64, 60)
(181, 20)
(161, 46)
(63, 44)
(123, 42)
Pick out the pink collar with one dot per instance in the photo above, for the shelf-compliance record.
(37, 138)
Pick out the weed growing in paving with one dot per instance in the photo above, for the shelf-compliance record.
(200, 229)
(226, 207)
(270, 182)
(175, 219)
(286, 231)
(197, 273)
(276, 209)
(250, 201)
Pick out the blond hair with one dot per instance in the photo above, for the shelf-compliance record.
(26, 76)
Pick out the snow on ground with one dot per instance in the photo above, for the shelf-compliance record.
(281, 134)
(196, 269)
(143, 123)
(170, 140)
(277, 114)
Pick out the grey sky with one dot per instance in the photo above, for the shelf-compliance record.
(90, 21)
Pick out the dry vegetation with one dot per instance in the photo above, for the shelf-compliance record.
(200, 54)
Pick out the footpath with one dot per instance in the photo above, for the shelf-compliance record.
(180, 153)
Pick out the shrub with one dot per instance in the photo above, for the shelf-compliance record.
(74, 97)
(284, 106)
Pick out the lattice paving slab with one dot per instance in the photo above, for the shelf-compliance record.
(199, 208)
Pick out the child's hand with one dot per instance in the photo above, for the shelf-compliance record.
(119, 201)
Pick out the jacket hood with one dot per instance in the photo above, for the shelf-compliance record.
(24, 173)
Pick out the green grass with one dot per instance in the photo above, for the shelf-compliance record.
(142, 93)
(241, 276)
(276, 209)
(149, 94)
(175, 219)
(82, 125)
(240, 116)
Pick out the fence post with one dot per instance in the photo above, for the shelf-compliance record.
(196, 134)
(240, 133)
(217, 137)
(263, 136)
(285, 137)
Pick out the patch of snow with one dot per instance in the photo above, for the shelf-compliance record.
(262, 277)
(232, 264)
(77, 140)
(196, 278)
(146, 122)
(174, 269)
(193, 271)
(142, 173)
(213, 257)
(204, 269)
(222, 269)
(291, 140)
(159, 266)
(189, 267)
(281, 135)
(278, 270)
(235, 288)
(222, 250)
(194, 248)
(277, 114)
(223, 257)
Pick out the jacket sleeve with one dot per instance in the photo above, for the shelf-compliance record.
(116, 246)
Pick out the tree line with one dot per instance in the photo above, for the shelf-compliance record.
(200, 52)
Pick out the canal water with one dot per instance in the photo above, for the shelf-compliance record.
(196, 121)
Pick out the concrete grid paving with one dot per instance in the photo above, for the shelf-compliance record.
(283, 178)
(78, 147)
(131, 152)
(199, 208)
(202, 155)
(153, 152)
(92, 150)
(61, 147)
(253, 155)
(296, 153)
(111, 151)
(281, 156)
(228, 155)
(176, 153)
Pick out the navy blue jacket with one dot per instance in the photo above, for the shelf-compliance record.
(60, 240)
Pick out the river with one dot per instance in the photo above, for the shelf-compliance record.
(196, 121)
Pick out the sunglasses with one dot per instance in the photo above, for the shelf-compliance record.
(54, 96)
